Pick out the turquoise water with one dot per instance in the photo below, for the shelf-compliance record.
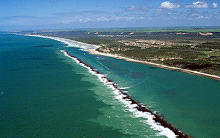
(43, 93)
(189, 102)
(46, 94)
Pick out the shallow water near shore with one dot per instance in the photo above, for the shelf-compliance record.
(45, 93)
(187, 101)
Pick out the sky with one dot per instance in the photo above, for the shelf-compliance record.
(72, 14)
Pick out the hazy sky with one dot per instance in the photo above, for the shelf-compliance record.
(70, 14)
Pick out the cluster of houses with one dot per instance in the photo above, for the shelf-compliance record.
(109, 49)
(143, 44)
(147, 43)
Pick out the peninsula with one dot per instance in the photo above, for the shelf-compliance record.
(194, 51)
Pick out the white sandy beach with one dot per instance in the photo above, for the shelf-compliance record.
(92, 50)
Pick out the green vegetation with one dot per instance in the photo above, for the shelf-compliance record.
(195, 48)
(180, 56)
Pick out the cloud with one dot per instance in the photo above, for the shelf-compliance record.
(214, 5)
(102, 19)
(198, 4)
(193, 14)
(167, 12)
(169, 5)
(84, 16)
(138, 9)
(131, 8)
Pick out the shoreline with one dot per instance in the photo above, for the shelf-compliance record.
(66, 41)
(92, 50)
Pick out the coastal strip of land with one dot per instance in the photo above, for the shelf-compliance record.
(92, 50)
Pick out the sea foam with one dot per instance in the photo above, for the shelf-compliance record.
(128, 104)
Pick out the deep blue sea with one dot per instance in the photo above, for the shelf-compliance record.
(44, 93)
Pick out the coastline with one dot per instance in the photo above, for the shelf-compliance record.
(68, 41)
(92, 50)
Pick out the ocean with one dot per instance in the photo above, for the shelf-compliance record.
(44, 93)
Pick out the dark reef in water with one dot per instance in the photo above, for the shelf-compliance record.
(157, 118)
(45, 46)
